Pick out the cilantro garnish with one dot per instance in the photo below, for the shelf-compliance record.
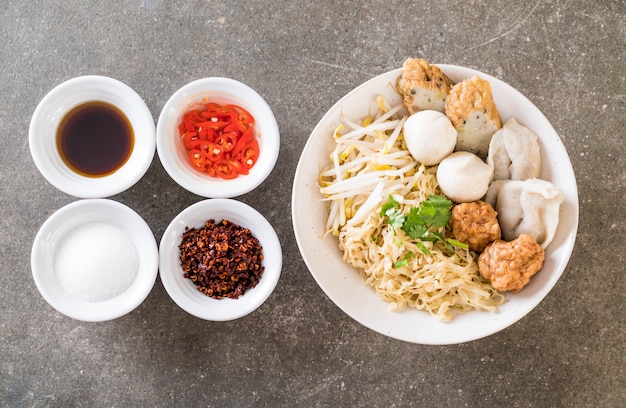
(422, 223)
(390, 204)
(434, 212)
(395, 217)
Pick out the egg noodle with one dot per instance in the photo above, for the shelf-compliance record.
(370, 162)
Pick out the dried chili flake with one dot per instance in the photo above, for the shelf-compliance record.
(222, 259)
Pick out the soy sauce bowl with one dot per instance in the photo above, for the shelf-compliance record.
(172, 152)
(185, 293)
(69, 95)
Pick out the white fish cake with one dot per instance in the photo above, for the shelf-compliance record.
(423, 86)
(474, 114)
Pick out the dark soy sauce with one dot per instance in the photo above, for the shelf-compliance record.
(95, 139)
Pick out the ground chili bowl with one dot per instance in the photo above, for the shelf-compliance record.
(75, 215)
(171, 149)
(184, 292)
(68, 95)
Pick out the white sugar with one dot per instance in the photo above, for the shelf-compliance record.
(96, 262)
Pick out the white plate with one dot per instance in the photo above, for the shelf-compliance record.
(342, 283)
(72, 216)
(183, 291)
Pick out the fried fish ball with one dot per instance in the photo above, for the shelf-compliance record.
(510, 265)
(476, 224)
(423, 86)
(474, 115)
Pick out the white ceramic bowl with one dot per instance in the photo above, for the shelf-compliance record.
(57, 103)
(342, 283)
(67, 219)
(184, 292)
(172, 151)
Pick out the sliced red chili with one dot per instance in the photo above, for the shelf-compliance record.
(225, 169)
(216, 124)
(244, 117)
(209, 168)
(208, 134)
(243, 140)
(191, 140)
(189, 127)
(250, 154)
(211, 151)
(233, 127)
(227, 140)
(218, 139)
(215, 110)
(197, 159)
(239, 167)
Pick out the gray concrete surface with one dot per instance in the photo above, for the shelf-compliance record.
(299, 349)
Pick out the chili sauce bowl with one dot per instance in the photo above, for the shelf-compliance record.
(184, 292)
(174, 156)
(52, 240)
(46, 148)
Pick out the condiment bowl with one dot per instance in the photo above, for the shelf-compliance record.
(55, 230)
(172, 151)
(67, 96)
(185, 293)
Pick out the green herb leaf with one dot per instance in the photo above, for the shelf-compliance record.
(401, 263)
(422, 247)
(458, 243)
(435, 236)
(404, 261)
(395, 218)
(390, 204)
(433, 213)
(415, 231)
(394, 215)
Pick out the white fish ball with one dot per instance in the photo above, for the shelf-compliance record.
(464, 177)
(429, 136)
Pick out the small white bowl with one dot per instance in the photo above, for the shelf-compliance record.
(172, 151)
(184, 292)
(66, 96)
(67, 219)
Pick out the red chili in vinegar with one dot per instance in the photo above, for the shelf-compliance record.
(95, 139)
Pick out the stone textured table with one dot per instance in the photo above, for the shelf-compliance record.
(299, 348)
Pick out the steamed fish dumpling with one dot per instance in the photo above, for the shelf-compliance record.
(526, 207)
(514, 153)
